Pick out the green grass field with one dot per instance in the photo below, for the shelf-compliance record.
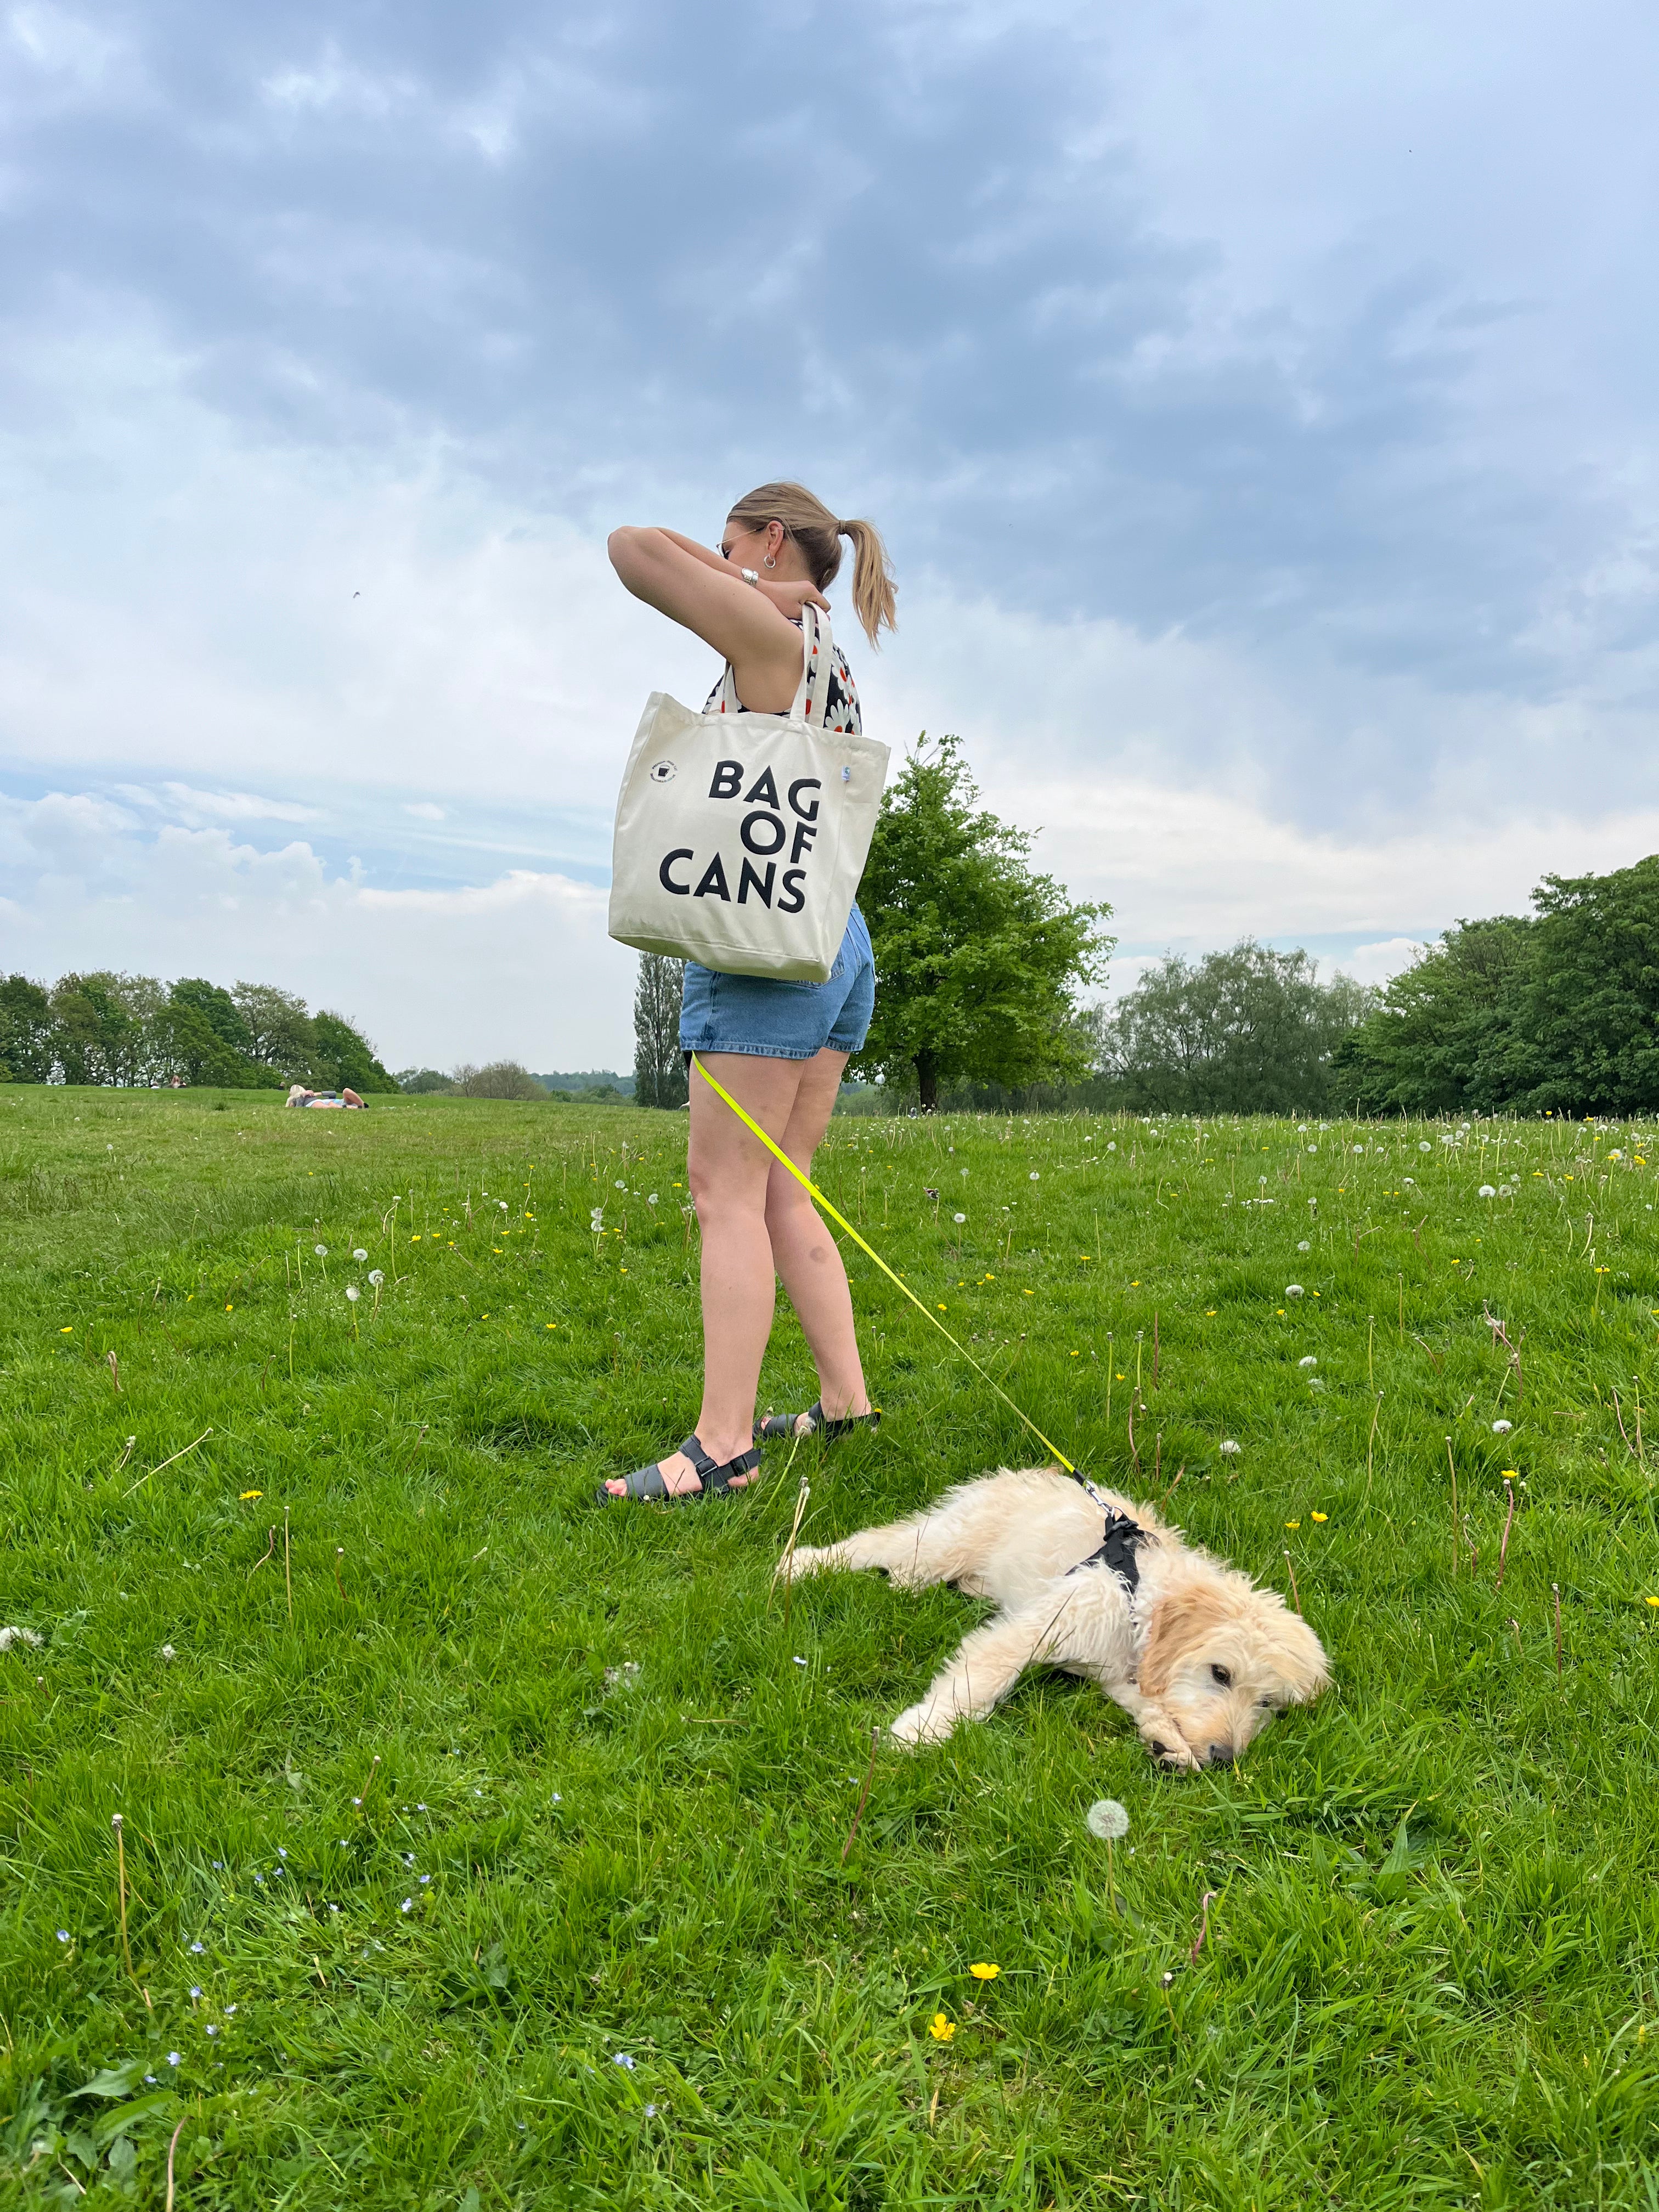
(483, 1848)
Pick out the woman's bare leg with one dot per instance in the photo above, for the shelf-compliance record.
(727, 1170)
(805, 1254)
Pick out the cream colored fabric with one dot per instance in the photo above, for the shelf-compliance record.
(740, 838)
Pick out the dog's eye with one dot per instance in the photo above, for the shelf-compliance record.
(1221, 1675)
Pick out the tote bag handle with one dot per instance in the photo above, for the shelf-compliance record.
(816, 637)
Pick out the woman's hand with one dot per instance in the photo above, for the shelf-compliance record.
(792, 595)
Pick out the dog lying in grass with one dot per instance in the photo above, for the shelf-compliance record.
(1199, 1658)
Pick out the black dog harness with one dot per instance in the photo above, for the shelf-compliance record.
(1122, 1540)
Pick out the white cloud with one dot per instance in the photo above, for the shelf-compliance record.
(520, 967)
(309, 639)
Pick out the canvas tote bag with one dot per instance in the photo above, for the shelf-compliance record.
(740, 838)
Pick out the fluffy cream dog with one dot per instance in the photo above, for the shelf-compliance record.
(1198, 1657)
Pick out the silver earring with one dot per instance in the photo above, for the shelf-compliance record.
(769, 563)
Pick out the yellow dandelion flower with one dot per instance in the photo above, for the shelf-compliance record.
(1319, 1517)
(1653, 1601)
(984, 1972)
(248, 1494)
(66, 1332)
(1293, 1524)
(941, 2029)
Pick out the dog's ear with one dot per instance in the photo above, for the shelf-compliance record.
(1291, 1647)
(1178, 1624)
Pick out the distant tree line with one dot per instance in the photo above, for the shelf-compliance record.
(139, 1033)
(1555, 1011)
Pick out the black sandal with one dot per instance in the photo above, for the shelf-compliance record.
(646, 1483)
(783, 1427)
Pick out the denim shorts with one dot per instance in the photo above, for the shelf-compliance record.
(775, 1020)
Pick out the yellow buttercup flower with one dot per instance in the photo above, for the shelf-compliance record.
(1293, 1524)
(941, 2029)
(1653, 1601)
(1319, 1517)
(982, 1973)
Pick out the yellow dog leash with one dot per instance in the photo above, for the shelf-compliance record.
(840, 1221)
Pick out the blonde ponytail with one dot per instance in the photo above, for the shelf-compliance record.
(818, 533)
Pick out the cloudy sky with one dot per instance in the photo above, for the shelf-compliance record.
(1260, 401)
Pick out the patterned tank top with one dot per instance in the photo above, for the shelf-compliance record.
(842, 706)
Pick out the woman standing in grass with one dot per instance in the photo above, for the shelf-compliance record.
(779, 1048)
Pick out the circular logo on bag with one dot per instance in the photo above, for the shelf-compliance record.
(663, 772)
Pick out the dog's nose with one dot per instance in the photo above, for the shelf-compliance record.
(1221, 1754)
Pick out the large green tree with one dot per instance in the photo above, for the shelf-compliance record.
(343, 1056)
(103, 1026)
(280, 1033)
(1250, 1031)
(658, 1063)
(25, 1048)
(1557, 1011)
(978, 960)
(1447, 1035)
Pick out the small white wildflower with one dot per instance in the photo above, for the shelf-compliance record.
(1230, 1449)
(173, 2058)
(407, 1906)
(211, 2029)
(1502, 1428)
(199, 1947)
(194, 1990)
(1107, 1819)
(352, 1292)
(1308, 1359)
(63, 1935)
(168, 1652)
(800, 1661)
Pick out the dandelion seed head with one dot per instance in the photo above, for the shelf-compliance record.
(1293, 1289)
(958, 1217)
(1107, 1819)
(1307, 1360)
(1304, 1246)
(1230, 1449)
(352, 1292)
(377, 1276)
(321, 1250)
(1502, 1428)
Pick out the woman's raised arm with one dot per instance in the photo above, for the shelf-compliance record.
(695, 587)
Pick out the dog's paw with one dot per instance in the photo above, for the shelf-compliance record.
(1167, 1748)
(918, 1725)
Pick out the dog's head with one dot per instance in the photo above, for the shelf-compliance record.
(1222, 1658)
